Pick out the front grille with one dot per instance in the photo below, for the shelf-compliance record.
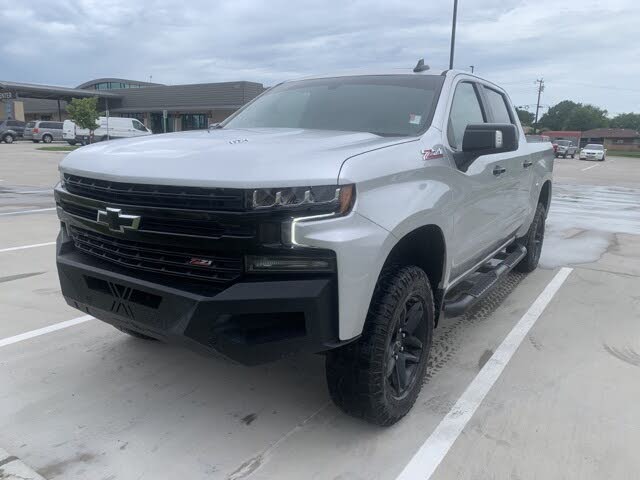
(154, 258)
(166, 196)
(179, 224)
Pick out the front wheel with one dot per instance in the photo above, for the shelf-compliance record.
(8, 138)
(533, 241)
(379, 376)
(71, 142)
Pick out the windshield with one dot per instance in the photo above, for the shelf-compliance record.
(594, 146)
(30, 124)
(564, 143)
(386, 105)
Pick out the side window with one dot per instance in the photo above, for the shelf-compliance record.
(13, 123)
(465, 109)
(139, 126)
(498, 105)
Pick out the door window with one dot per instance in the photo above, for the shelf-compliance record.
(465, 110)
(498, 105)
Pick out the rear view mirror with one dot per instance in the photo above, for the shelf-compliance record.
(486, 138)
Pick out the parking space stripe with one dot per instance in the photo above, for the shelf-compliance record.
(436, 447)
(589, 168)
(23, 247)
(22, 212)
(43, 331)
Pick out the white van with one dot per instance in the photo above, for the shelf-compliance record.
(117, 128)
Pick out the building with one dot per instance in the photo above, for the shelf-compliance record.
(623, 139)
(571, 135)
(187, 107)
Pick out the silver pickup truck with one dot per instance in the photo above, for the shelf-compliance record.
(343, 214)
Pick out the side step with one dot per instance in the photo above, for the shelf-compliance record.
(466, 294)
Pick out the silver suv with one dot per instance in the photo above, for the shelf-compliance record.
(43, 130)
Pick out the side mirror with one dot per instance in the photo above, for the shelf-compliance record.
(486, 138)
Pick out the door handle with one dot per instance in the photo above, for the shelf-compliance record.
(527, 163)
(498, 170)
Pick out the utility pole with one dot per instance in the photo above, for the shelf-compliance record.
(453, 33)
(540, 83)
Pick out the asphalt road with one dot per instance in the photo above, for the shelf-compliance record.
(87, 402)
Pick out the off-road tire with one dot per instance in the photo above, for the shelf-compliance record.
(8, 138)
(135, 334)
(357, 373)
(533, 241)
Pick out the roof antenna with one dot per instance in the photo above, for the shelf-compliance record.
(420, 66)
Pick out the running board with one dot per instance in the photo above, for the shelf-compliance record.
(471, 290)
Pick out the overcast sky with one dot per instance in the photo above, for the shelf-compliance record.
(587, 51)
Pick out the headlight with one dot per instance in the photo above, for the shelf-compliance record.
(61, 180)
(326, 198)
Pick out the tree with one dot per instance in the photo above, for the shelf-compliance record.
(626, 120)
(568, 115)
(525, 116)
(84, 113)
(556, 116)
(586, 117)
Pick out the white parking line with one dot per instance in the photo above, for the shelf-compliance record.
(588, 168)
(435, 448)
(42, 331)
(23, 247)
(19, 212)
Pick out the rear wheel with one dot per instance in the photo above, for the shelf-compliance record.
(8, 138)
(71, 142)
(379, 376)
(47, 138)
(133, 333)
(533, 241)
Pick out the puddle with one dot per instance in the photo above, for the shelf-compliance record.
(583, 221)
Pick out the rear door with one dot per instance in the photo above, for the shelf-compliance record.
(518, 175)
(479, 192)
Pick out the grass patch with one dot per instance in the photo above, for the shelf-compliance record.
(59, 148)
(616, 153)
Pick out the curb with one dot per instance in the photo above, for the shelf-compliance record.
(12, 468)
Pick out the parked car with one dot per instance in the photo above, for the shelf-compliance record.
(43, 130)
(10, 130)
(593, 151)
(335, 214)
(114, 127)
(565, 149)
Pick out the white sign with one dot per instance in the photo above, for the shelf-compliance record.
(164, 114)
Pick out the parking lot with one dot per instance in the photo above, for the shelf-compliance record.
(88, 402)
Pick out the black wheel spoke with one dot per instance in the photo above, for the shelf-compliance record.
(413, 342)
(409, 358)
(414, 315)
(391, 365)
(401, 373)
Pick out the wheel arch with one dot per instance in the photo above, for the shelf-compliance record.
(424, 247)
(545, 195)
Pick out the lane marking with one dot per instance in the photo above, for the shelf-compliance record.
(20, 212)
(589, 168)
(436, 447)
(43, 331)
(23, 247)
(14, 468)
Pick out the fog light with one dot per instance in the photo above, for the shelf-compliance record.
(268, 263)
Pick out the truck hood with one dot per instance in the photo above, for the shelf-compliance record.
(265, 157)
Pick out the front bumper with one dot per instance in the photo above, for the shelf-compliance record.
(249, 322)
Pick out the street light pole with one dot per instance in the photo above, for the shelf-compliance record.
(472, 67)
(453, 33)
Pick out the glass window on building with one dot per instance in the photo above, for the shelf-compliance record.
(194, 121)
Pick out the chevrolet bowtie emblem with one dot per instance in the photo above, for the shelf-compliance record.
(118, 221)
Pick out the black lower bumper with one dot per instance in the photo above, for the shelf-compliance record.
(249, 322)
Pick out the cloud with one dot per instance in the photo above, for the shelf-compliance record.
(584, 49)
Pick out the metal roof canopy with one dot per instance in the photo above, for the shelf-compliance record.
(31, 90)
